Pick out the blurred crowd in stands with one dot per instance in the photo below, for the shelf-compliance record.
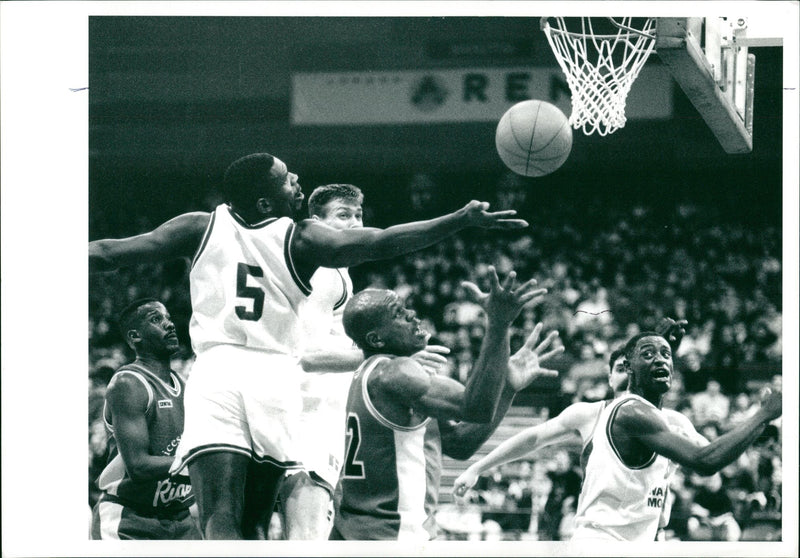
(611, 270)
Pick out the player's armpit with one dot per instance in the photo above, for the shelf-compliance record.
(178, 237)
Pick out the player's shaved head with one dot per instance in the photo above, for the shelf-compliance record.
(366, 310)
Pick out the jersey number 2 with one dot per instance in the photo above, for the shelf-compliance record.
(353, 468)
(243, 271)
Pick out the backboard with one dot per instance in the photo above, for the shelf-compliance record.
(709, 59)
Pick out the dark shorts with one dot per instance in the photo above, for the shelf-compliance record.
(113, 521)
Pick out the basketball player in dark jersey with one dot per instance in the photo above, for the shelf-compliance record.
(143, 413)
(401, 418)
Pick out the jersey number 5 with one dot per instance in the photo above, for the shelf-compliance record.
(243, 271)
(353, 468)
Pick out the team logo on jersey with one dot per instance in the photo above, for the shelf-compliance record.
(656, 497)
(165, 403)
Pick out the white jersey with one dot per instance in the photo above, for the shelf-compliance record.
(617, 501)
(322, 314)
(325, 394)
(244, 287)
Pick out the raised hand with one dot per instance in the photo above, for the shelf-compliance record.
(504, 302)
(464, 482)
(525, 365)
(432, 357)
(673, 331)
(477, 215)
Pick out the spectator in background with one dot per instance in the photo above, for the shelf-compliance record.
(741, 410)
(594, 311)
(566, 485)
(693, 371)
(710, 405)
(712, 518)
(586, 370)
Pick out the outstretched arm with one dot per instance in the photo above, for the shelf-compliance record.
(178, 237)
(563, 427)
(405, 381)
(462, 440)
(316, 245)
(127, 401)
(635, 421)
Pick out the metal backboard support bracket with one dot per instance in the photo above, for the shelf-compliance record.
(716, 74)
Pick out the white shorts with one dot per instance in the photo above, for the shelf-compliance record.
(322, 428)
(243, 401)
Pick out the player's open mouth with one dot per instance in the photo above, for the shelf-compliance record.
(661, 374)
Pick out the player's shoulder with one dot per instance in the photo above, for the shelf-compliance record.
(582, 411)
(192, 218)
(187, 226)
(399, 374)
(127, 386)
(634, 413)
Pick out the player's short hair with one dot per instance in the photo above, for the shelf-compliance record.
(631, 344)
(323, 195)
(245, 178)
(128, 317)
(614, 356)
(362, 313)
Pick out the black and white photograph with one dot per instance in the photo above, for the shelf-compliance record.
(400, 278)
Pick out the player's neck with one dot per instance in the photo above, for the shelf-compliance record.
(654, 398)
(157, 365)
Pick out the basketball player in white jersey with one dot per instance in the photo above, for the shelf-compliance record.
(306, 494)
(633, 444)
(251, 271)
(401, 418)
(574, 424)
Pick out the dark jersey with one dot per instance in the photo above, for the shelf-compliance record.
(390, 478)
(164, 416)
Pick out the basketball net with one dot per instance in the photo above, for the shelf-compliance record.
(600, 68)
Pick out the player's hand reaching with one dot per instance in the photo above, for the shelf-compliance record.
(477, 215)
(464, 482)
(432, 358)
(673, 331)
(504, 302)
(525, 365)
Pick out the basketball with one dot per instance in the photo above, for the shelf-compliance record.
(533, 138)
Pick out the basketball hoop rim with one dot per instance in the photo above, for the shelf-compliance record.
(545, 25)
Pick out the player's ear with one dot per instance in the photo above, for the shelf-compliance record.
(132, 336)
(374, 340)
(264, 206)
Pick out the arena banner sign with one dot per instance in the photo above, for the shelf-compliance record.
(451, 95)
